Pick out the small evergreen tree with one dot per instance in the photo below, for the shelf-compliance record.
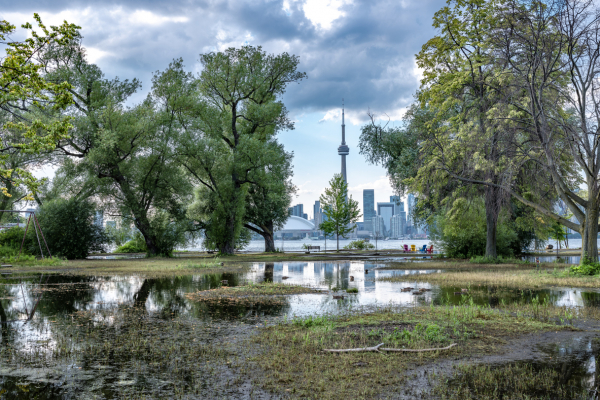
(341, 210)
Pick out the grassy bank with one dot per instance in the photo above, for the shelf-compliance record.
(293, 360)
(152, 267)
(508, 277)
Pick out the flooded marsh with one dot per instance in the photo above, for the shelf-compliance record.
(258, 330)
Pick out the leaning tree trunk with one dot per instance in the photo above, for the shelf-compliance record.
(589, 232)
(267, 234)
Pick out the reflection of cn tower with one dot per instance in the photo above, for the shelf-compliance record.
(343, 150)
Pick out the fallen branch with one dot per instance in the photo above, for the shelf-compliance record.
(377, 349)
(419, 350)
(374, 348)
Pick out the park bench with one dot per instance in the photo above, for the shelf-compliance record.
(309, 248)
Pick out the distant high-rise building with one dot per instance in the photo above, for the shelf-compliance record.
(378, 227)
(410, 200)
(297, 211)
(316, 209)
(343, 150)
(396, 226)
(369, 208)
(386, 211)
(398, 205)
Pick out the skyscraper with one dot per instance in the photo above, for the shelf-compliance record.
(343, 150)
(386, 211)
(369, 208)
(411, 206)
(298, 211)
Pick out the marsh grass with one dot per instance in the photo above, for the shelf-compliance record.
(150, 267)
(525, 278)
(293, 360)
(250, 294)
(463, 265)
(178, 352)
(514, 381)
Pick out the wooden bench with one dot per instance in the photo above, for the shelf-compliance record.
(309, 248)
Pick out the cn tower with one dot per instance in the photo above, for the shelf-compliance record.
(343, 150)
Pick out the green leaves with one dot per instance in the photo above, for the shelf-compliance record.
(23, 86)
(341, 210)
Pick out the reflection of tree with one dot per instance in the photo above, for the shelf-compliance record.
(140, 297)
(269, 270)
(590, 299)
(4, 324)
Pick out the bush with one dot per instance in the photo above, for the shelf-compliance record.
(135, 245)
(69, 229)
(586, 268)
(13, 238)
(359, 245)
(462, 234)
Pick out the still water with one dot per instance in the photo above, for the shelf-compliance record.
(44, 318)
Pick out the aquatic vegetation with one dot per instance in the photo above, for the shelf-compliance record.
(315, 374)
(518, 381)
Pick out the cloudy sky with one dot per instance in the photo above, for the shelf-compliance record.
(359, 50)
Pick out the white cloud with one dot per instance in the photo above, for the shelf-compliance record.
(94, 54)
(145, 17)
(361, 117)
(322, 13)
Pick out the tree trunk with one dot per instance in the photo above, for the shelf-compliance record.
(492, 209)
(490, 243)
(337, 236)
(140, 216)
(589, 234)
(269, 242)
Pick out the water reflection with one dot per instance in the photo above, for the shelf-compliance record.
(70, 310)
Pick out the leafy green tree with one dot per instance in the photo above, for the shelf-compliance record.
(69, 229)
(32, 101)
(461, 231)
(270, 193)
(341, 210)
(225, 145)
(124, 155)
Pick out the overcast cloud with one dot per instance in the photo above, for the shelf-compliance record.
(359, 50)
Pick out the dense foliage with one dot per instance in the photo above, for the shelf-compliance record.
(461, 233)
(69, 228)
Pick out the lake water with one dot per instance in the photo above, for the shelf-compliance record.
(45, 317)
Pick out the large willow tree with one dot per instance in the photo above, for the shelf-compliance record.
(229, 147)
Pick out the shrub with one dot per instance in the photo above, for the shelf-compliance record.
(352, 290)
(69, 229)
(462, 233)
(135, 245)
(13, 237)
(359, 245)
(586, 268)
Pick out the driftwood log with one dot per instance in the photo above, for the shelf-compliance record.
(379, 349)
